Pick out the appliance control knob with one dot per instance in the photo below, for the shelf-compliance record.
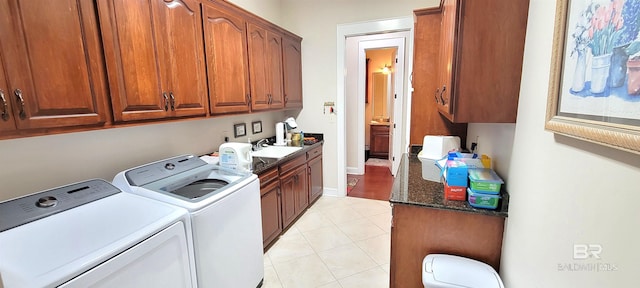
(169, 166)
(47, 202)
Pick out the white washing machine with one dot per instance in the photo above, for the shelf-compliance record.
(225, 214)
(90, 234)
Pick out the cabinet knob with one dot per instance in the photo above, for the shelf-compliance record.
(444, 88)
(18, 93)
(166, 101)
(173, 101)
(5, 106)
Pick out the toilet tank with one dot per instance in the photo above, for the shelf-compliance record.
(449, 271)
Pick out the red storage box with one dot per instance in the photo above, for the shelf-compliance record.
(457, 193)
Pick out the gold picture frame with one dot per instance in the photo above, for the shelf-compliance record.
(606, 128)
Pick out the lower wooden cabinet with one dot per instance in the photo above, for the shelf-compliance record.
(270, 200)
(379, 142)
(295, 196)
(418, 231)
(287, 191)
(316, 184)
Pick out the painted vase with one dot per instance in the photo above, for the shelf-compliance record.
(600, 72)
(633, 69)
(579, 73)
(618, 67)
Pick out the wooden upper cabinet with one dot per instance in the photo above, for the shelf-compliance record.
(225, 38)
(179, 32)
(155, 58)
(53, 64)
(425, 118)
(274, 70)
(292, 65)
(482, 46)
(265, 68)
(257, 41)
(445, 63)
(6, 115)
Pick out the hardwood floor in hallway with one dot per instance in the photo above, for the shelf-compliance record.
(374, 184)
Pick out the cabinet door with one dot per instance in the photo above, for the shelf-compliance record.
(258, 63)
(379, 141)
(447, 56)
(315, 178)
(271, 212)
(274, 70)
(178, 30)
(53, 63)
(6, 116)
(288, 190)
(132, 66)
(225, 36)
(302, 189)
(292, 64)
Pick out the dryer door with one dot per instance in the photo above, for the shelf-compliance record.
(162, 260)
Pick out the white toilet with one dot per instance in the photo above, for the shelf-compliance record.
(448, 271)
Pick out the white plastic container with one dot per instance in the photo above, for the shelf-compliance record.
(430, 171)
(449, 271)
(236, 156)
(436, 147)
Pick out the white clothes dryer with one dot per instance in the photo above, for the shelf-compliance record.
(90, 234)
(226, 217)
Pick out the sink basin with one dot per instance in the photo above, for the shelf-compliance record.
(275, 151)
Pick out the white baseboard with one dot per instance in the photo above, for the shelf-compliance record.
(333, 192)
(354, 171)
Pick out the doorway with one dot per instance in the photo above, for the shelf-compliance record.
(392, 33)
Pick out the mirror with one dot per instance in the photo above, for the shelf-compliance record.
(380, 97)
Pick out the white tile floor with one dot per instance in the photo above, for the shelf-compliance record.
(338, 242)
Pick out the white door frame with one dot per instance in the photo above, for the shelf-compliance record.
(355, 29)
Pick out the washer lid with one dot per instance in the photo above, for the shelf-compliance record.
(454, 271)
(52, 250)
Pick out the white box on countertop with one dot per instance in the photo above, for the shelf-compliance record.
(430, 171)
(436, 147)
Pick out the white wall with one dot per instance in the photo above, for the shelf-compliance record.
(563, 191)
(316, 22)
(270, 10)
(37, 163)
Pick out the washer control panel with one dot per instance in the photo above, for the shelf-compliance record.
(23, 210)
(162, 169)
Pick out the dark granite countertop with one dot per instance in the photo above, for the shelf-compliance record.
(262, 164)
(410, 188)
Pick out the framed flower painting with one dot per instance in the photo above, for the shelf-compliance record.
(594, 87)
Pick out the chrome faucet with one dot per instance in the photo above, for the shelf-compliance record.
(260, 143)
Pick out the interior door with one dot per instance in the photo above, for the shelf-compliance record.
(391, 102)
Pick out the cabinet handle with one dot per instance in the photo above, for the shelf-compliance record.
(173, 101)
(5, 107)
(435, 95)
(18, 94)
(166, 101)
(286, 99)
(270, 99)
(248, 100)
(444, 88)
